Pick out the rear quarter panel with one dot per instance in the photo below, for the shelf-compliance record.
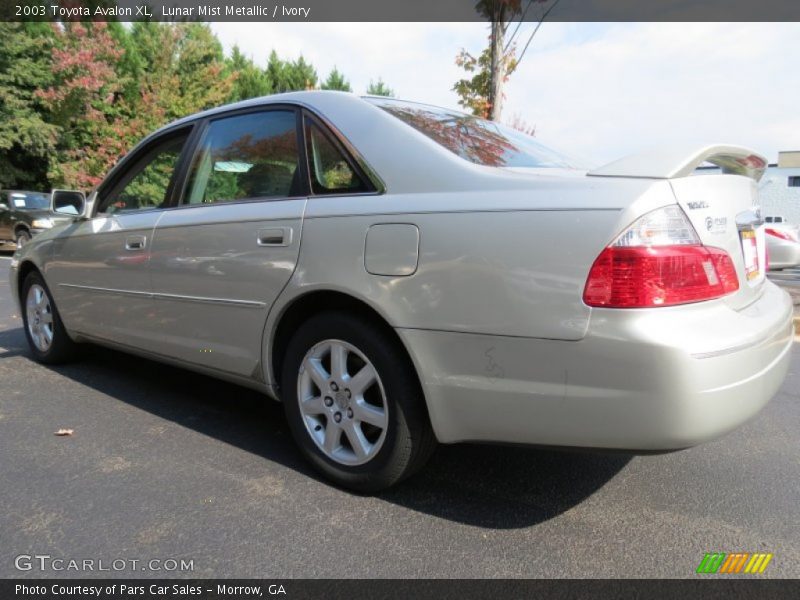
(509, 263)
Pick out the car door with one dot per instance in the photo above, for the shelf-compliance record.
(99, 273)
(220, 258)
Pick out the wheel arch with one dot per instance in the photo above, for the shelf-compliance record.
(308, 304)
(25, 268)
(21, 227)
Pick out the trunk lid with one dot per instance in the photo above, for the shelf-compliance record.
(723, 208)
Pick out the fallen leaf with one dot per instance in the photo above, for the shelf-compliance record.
(64, 432)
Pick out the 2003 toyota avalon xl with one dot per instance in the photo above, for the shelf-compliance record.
(399, 274)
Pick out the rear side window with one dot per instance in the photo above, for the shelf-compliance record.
(254, 155)
(474, 139)
(330, 171)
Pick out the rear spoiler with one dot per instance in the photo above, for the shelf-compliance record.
(672, 162)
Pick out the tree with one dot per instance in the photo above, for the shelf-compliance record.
(482, 92)
(111, 87)
(130, 65)
(249, 80)
(76, 95)
(474, 92)
(379, 89)
(303, 76)
(336, 81)
(288, 76)
(84, 102)
(183, 72)
(200, 69)
(27, 140)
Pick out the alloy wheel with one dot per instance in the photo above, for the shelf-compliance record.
(40, 317)
(342, 402)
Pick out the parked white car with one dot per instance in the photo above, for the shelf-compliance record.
(783, 247)
(399, 274)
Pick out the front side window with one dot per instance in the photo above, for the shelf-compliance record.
(146, 186)
(330, 171)
(474, 139)
(246, 156)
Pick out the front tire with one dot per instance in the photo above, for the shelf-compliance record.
(354, 403)
(22, 238)
(47, 338)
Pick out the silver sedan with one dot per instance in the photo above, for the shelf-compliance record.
(399, 274)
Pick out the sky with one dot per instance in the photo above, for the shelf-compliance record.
(596, 91)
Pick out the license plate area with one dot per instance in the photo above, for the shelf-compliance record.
(750, 254)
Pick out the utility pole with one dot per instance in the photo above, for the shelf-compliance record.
(497, 68)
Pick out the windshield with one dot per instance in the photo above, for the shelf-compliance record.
(474, 139)
(30, 200)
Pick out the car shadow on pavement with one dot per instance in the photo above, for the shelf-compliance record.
(498, 487)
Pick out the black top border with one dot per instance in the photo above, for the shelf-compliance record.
(402, 10)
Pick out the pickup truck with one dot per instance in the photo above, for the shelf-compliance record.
(23, 214)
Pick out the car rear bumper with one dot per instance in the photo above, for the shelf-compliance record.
(653, 379)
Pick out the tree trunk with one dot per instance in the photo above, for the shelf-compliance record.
(497, 70)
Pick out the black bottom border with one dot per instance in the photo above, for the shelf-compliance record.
(390, 589)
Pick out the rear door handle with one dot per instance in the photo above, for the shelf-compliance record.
(275, 236)
(135, 242)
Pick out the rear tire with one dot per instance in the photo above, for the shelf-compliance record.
(47, 338)
(356, 383)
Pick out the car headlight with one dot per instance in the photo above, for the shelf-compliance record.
(42, 223)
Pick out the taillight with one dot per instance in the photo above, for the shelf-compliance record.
(659, 261)
(780, 234)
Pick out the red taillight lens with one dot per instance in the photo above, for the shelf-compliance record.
(779, 234)
(644, 277)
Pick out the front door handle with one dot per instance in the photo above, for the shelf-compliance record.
(135, 242)
(275, 236)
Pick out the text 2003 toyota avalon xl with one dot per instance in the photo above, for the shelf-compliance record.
(399, 274)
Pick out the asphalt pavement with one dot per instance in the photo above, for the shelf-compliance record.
(165, 464)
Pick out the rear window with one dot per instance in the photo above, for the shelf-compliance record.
(474, 139)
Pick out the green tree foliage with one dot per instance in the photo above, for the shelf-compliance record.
(75, 96)
(290, 76)
(130, 65)
(250, 81)
(474, 91)
(336, 81)
(379, 88)
(200, 66)
(27, 140)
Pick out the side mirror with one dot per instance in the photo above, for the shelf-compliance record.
(3, 206)
(68, 203)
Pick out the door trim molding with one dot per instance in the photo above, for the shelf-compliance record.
(157, 296)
